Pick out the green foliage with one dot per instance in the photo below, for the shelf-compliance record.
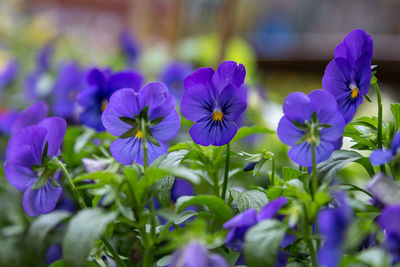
(249, 199)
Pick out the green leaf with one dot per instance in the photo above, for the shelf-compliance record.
(263, 242)
(246, 131)
(162, 190)
(340, 158)
(98, 175)
(59, 263)
(289, 173)
(130, 121)
(216, 206)
(43, 224)
(374, 257)
(249, 199)
(83, 231)
(395, 108)
(83, 139)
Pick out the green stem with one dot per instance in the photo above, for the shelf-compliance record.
(82, 204)
(314, 181)
(273, 171)
(145, 161)
(225, 184)
(379, 99)
(308, 238)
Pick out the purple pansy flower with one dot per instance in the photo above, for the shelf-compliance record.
(239, 224)
(310, 118)
(333, 224)
(125, 115)
(29, 168)
(30, 116)
(69, 82)
(196, 254)
(54, 253)
(8, 74)
(129, 46)
(214, 100)
(389, 221)
(347, 77)
(101, 85)
(380, 156)
(173, 76)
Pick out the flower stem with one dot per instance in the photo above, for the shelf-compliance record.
(379, 99)
(145, 161)
(314, 181)
(225, 184)
(308, 238)
(82, 204)
(273, 170)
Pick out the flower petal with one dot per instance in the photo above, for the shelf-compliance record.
(396, 144)
(354, 45)
(216, 260)
(92, 117)
(167, 128)
(199, 97)
(301, 154)
(230, 102)
(336, 130)
(389, 219)
(30, 116)
(123, 103)
(271, 208)
(96, 77)
(287, 132)
(380, 157)
(208, 132)
(155, 95)
(42, 200)
(348, 106)
(298, 107)
(56, 128)
(323, 103)
(362, 73)
(246, 218)
(19, 176)
(229, 72)
(124, 79)
(337, 78)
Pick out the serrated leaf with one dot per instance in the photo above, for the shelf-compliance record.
(249, 199)
(246, 131)
(263, 242)
(215, 205)
(162, 190)
(83, 231)
(289, 173)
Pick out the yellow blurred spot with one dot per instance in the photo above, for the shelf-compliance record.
(217, 115)
(139, 134)
(104, 105)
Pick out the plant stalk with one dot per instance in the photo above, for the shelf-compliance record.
(225, 184)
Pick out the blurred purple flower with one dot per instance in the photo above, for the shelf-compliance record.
(101, 85)
(129, 46)
(348, 76)
(333, 224)
(389, 221)
(173, 76)
(69, 82)
(53, 253)
(29, 168)
(196, 255)
(124, 116)
(8, 74)
(381, 156)
(310, 118)
(30, 116)
(44, 57)
(7, 118)
(214, 100)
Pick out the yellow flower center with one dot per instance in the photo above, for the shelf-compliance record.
(217, 115)
(354, 92)
(139, 134)
(104, 104)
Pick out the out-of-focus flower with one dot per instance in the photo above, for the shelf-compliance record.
(101, 85)
(29, 167)
(310, 118)
(382, 156)
(8, 74)
(30, 116)
(7, 118)
(173, 76)
(94, 165)
(129, 46)
(348, 76)
(333, 224)
(389, 221)
(385, 190)
(195, 254)
(214, 100)
(53, 253)
(129, 111)
(69, 82)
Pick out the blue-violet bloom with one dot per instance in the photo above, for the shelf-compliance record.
(30, 116)
(173, 76)
(381, 156)
(8, 74)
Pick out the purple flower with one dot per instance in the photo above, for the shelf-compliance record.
(8, 74)
(44, 57)
(7, 118)
(380, 156)
(333, 223)
(173, 76)
(310, 118)
(125, 115)
(53, 253)
(30, 116)
(29, 167)
(348, 76)
(69, 82)
(196, 255)
(242, 222)
(214, 100)
(101, 85)
(389, 221)
(129, 46)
